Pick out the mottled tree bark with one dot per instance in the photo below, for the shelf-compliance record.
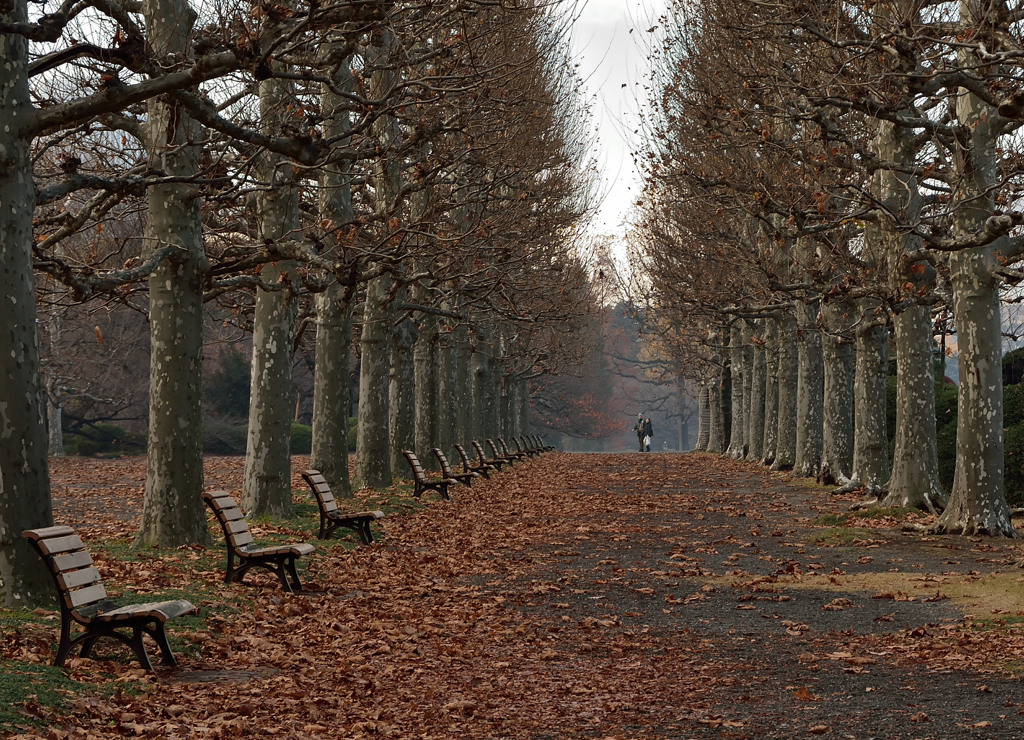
(373, 466)
(267, 485)
(871, 463)
(839, 365)
(758, 396)
(771, 391)
(915, 470)
(785, 451)
(704, 417)
(716, 437)
(738, 425)
(425, 358)
(448, 393)
(810, 389)
(977, 503)
(331, 390)
(173, 513)
(24, 466)
(463, 410)
(373, 446)
(402, 394)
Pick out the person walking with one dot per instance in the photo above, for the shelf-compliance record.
(639, 429)
(648, 434)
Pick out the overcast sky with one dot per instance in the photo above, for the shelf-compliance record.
(613, 65)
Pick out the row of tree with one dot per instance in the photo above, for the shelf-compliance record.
(827, 180)
(407, 177)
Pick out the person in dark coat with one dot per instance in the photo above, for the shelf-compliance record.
(648, 433)
(639, 429)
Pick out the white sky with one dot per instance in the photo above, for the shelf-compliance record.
(613, 66)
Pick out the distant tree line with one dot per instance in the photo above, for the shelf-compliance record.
(831, 186)
(401, 180)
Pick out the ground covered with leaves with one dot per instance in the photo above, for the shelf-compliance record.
(604, 596)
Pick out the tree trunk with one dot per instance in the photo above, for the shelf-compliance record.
(871, 469)
(915, 468)
(839, 364)
(771, 392)
(484, 395)
(331, 386)
(738, 425)
(425, 358)
(24, 465)
(448, 398)
(785, 452)
(267, 486)
(373, 448)
(758, 388)
(402, 394)
(977, 503)
(703, 417)
(52, 383)
(464, 429)
(173, 513)
(810, 443)
(716, 438)
(523, 402)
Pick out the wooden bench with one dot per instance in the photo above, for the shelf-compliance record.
(482, 467)
(540, 443)
(466, 477)
(279, 559)
(83, 599)
(514, 456)
(522, 448)
(331, 517)
(495, 462)
(531, 446)
(421, 482)
(507, 459)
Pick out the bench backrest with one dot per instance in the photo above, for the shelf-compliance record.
(480, 451)
(446, 469)
(79, 585)
(322, 491)
(466, 465)
(414, 463)
(230, 517)
(494, 449)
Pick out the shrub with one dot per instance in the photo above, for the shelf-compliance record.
(302, 439)
(87, 447)
(1014, 465)
(103, 439)
(224, 437)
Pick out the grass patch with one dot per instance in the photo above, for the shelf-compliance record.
(33, 692)
(844, 537)
(27, 686)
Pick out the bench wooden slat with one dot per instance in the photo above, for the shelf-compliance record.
(79, 578)
(72, 560)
